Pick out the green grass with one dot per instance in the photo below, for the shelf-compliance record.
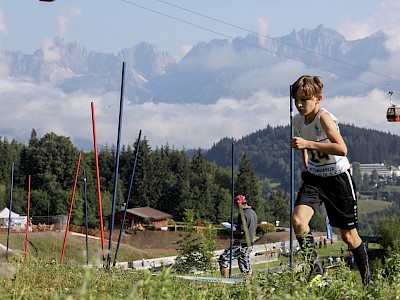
(369, 206)
(49, 246)
(323, 253)
(391, 188)
(38, 278)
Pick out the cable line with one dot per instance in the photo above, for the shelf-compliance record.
(279, 41)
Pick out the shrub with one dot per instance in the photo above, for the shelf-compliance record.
(195, 249)
(265, 228)
(388, 227)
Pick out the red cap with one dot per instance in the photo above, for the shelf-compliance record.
(240, 198)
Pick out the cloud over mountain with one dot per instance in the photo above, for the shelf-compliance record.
(218, 89)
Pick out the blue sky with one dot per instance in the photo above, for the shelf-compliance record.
(111, 25)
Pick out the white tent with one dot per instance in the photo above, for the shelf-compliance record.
(16, 219)
(5, 213)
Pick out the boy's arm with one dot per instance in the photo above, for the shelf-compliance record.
(336, 146)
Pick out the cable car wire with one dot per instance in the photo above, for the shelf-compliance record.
(279, 41)
(130, 2)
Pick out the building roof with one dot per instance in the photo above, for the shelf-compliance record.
(148, 212)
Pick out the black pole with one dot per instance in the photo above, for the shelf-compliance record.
(121, 108)
(86, 217)
(232, 209)
(9, 213)
(127, 199)
(291, 181)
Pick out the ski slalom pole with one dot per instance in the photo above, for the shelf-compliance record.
(86, 216)
(28, 220)
(9, 213)
(291, 180)
(70, 207)
(96, 160)
(232, 209)
(128, 197)
(121, 108)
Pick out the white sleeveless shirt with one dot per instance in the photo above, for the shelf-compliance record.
(320, 164)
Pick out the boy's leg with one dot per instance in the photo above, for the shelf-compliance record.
(301, 217)
(353, 240)
(307, 244)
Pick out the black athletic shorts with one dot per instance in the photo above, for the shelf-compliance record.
(337, 192)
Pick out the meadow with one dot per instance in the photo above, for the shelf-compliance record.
(40, 277)
(371, 206)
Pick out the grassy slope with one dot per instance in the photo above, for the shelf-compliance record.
(49, 245)
(369, 206)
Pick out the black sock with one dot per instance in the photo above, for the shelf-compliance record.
(306, 242)
(361, 259)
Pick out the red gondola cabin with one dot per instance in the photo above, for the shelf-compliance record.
(393, 114)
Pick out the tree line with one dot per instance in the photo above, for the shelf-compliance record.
(168, 179)
(165, 179)
(269, 150)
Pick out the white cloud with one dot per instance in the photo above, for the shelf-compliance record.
(262, 29)
(179, 125)
(184, 49)
(3, 64)
(65, 18)
(387, 19)
(354, 30)
(367, 111)
(3, 25)
(50, 51)
(187, 125)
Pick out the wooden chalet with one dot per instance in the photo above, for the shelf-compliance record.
(135, 218)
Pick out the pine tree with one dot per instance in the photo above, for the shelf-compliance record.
(278, 207)
(145, 183)
(202, 187)
(248, 184)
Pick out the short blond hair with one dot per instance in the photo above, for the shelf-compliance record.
(307, 86)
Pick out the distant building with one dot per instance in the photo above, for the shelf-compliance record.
(381, 169)
(136, 218)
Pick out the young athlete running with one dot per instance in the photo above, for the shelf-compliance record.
(327, 178)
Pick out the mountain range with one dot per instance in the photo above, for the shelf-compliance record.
(248, 64)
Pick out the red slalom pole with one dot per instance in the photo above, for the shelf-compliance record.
(28, 220)
(70, 207)
(96, 159)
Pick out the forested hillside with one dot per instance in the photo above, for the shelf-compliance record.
(167, 179)
(269, 150)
